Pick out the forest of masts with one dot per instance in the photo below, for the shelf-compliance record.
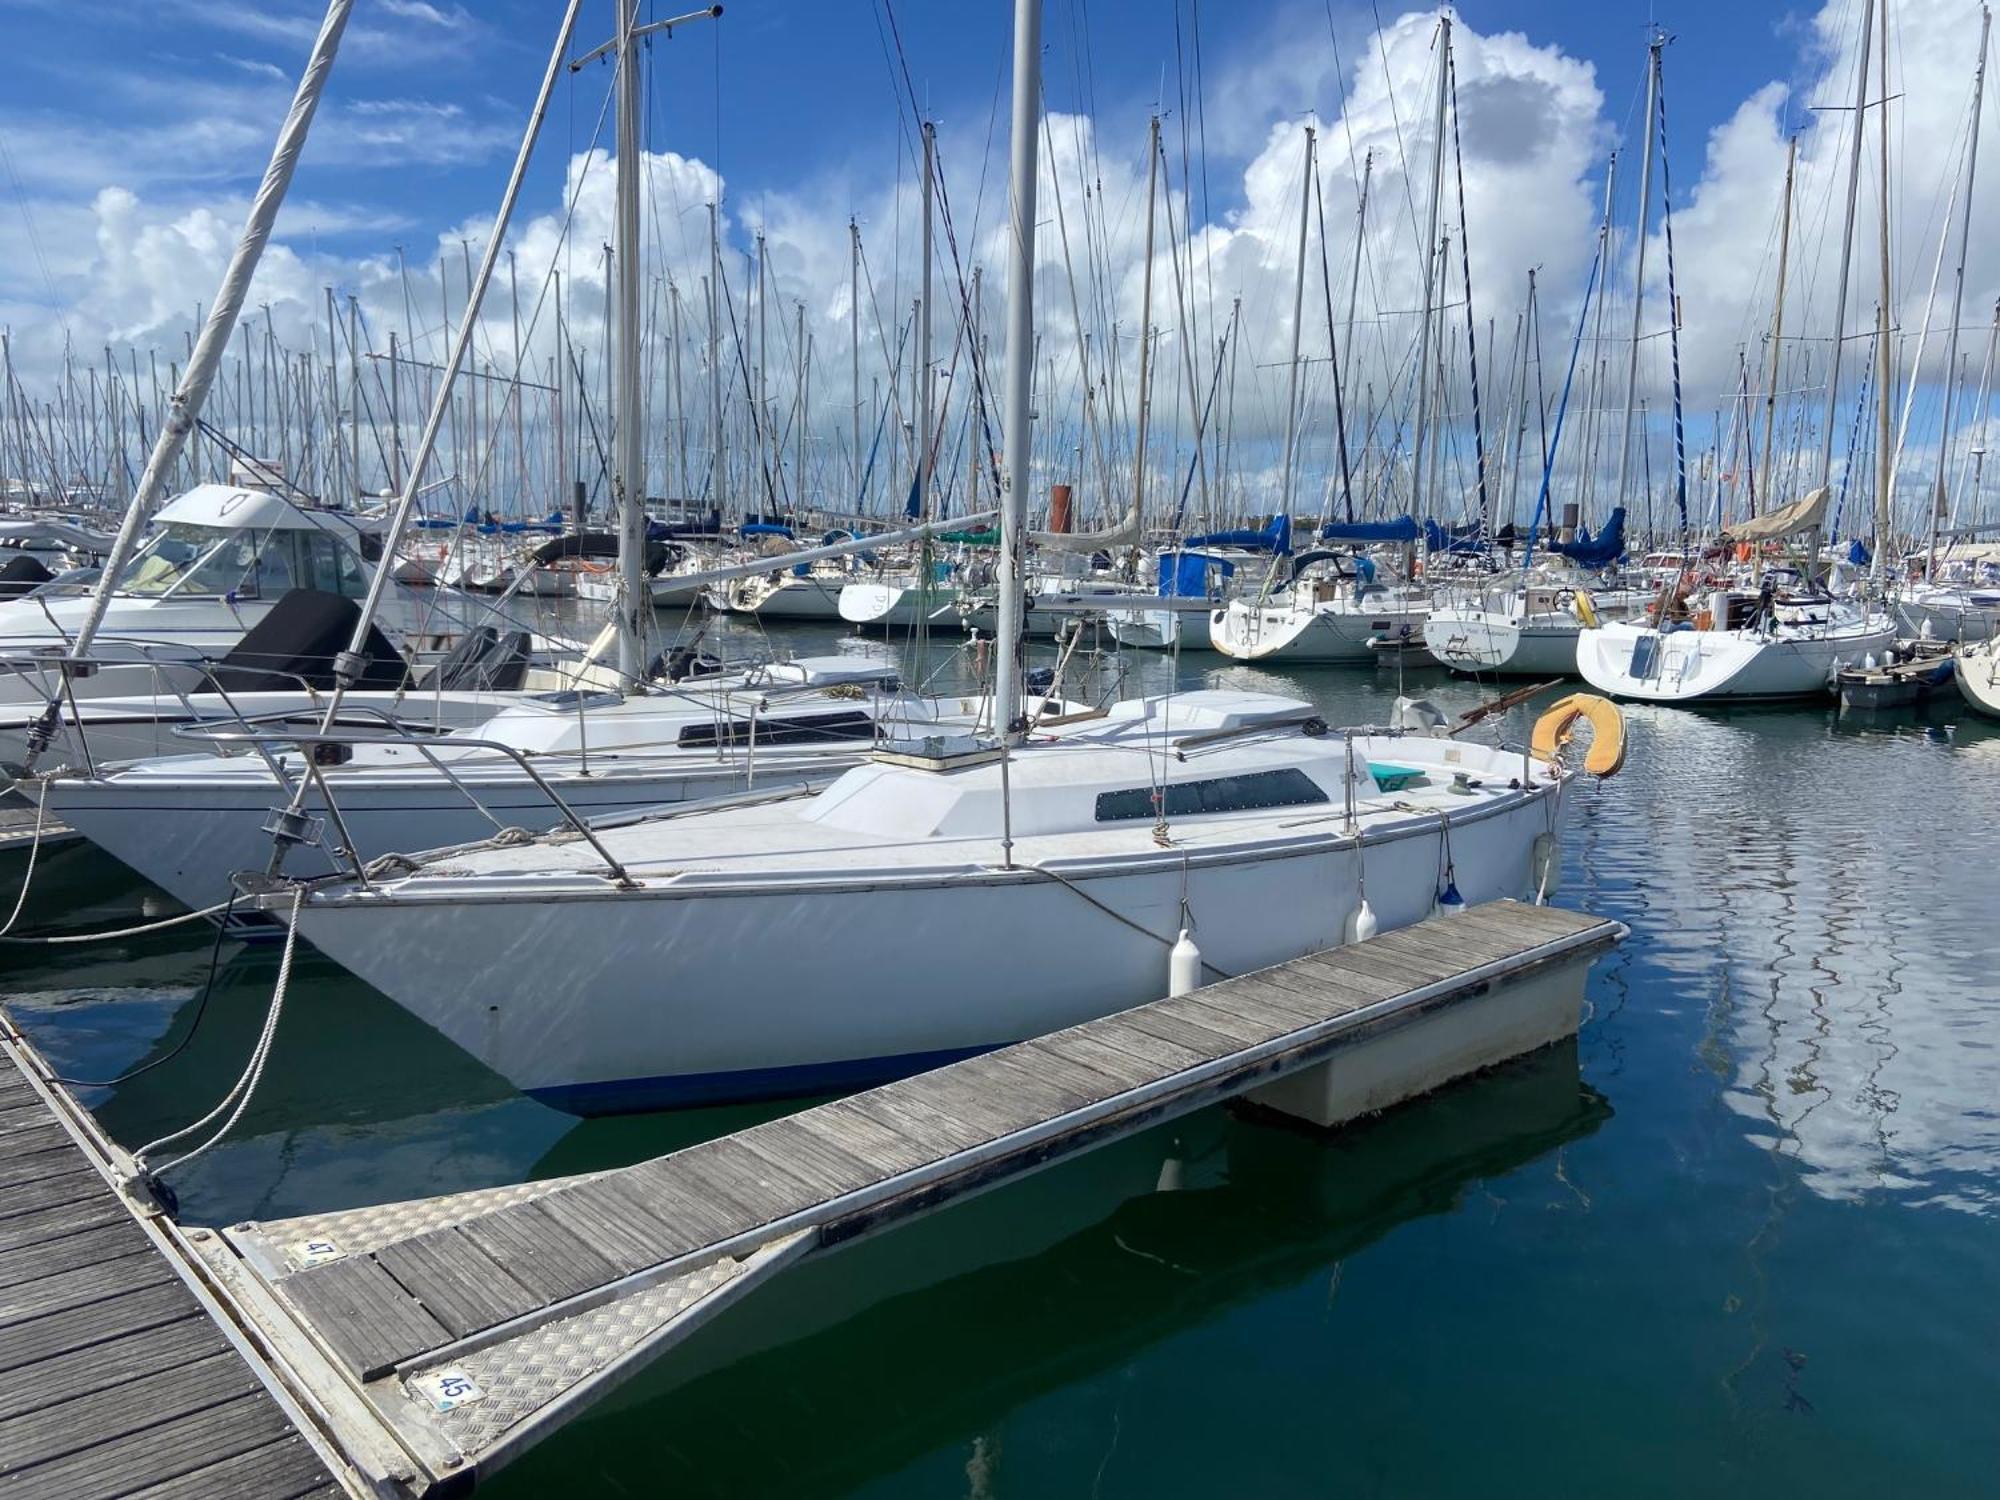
(756, 406)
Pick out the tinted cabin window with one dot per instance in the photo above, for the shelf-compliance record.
(1287, 788)
(802, 729)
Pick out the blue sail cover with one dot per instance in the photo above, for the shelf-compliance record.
(1599, 552)
(1184, 575)
(764, 528)
(1402, 529)
(1857, 553)
(1275, 538)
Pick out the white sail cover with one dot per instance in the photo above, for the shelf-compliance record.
(1125, 534)
(1800, 515)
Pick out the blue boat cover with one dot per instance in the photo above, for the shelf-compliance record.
(1601, 551)
(1184, 575)
(1275, 538)
(1402, 529)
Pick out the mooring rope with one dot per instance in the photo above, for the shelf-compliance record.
(34, 850)
(253, 1071)
(122, 932)
(1139, 927)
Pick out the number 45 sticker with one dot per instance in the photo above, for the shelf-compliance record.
(447, 1390)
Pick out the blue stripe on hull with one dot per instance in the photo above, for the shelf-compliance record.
(680, 1090)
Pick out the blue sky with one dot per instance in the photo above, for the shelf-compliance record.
(174, 100)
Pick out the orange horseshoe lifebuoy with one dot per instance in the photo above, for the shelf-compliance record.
(1556, 728)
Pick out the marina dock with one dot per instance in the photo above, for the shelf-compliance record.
(432, 1340)
(121, 1371)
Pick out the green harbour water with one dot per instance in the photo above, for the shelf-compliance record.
(1741, 1238)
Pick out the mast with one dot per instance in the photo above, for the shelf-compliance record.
(799, 422)
(354, 389)
(1430, 269)
(1947, 435)
(1146, 342)
(1653, 50)
(628, 475)
(714, 287)
(766, 454)
(333, 444)
(1885, 354)
(680, 427)
(395, 416)
(1777, 324)
(185, 410)
(975, 418)
(1346, 365)
(1298, 320)
(926, 360)
(1020, 361)
(854, 353)
(1846, 264)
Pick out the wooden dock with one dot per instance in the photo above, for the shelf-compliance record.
(120, 1372)
(436, 1339)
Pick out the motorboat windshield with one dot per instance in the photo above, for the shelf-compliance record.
(186, 559)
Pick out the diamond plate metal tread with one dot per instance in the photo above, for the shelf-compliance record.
(520, 1376)
(359, 1231)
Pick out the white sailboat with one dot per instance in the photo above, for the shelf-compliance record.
(1736, 645)
(1959, 601)
(888, 922)
(1783, 648)
(1527, 628)
(1978, 674)
(1334, 610)
(803, 593)
(949, 895)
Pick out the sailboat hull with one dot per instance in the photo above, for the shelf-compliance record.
(1480, 643)
(1319, 634)
(1687, 666)
(1162, 629)
(887, 606)
(1978, 678)
(1945, 618)
(189, 839)
(791, 599)
(640, 1000)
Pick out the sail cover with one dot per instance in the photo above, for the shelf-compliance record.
(1800, 515)
(1402, 529)
(1275, 538)
(1600, 551)
(1125, 534)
